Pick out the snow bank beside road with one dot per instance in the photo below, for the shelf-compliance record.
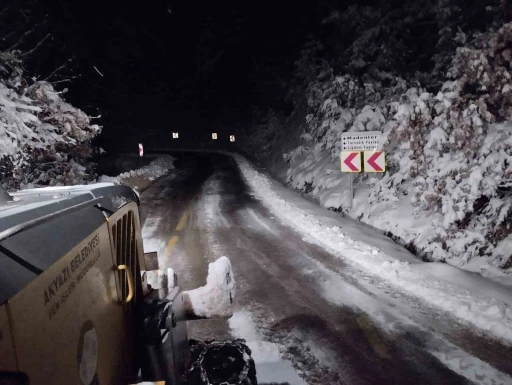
(155, 169)
(486, 307)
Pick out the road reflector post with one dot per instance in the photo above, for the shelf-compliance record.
(141, 150)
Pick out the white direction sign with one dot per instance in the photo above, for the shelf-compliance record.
(214, 135)
(374, 161)
(175, 135)
(350, 161)
(231, 138)
(141, 150)
(361, 141)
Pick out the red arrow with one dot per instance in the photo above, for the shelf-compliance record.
(372, 160)
(348, 161)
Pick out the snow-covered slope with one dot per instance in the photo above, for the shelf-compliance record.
(473, 299)
(446, 192)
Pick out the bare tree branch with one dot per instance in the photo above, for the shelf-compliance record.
(37, 46)
(98, 71)
(65, 80)
(59, 68)
(13, 32)
(27, 33)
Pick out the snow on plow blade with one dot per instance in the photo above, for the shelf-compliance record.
(162, 317)
(213, 300)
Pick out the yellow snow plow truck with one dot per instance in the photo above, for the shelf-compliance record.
(76, 301)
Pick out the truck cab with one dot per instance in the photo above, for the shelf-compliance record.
(72, 279)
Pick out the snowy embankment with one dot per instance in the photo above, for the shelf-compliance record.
(447, 189)
(317, 174)
(157, 168)
(471, 298)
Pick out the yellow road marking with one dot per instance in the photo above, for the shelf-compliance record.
(182, 222)
(170, 245)
(373, 336)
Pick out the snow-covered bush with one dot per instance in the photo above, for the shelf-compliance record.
(43, 140)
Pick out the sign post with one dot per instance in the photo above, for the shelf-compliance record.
(351, 184)
(351, 163)
(352, 144)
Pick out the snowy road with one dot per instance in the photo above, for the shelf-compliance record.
(304, 312)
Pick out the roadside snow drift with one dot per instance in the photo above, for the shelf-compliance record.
(155, 169)
(484, 306)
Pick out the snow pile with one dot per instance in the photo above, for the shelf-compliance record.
(484, 309)
(213, 300)
(155, 169)
(44, 141)
(449, 154)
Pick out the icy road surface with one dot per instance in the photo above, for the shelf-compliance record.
(308, 315)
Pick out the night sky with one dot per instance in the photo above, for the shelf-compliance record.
(169, 66)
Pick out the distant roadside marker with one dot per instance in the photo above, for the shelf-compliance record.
(231, 138)
(141, 150)
(214, 136)
(175, 135)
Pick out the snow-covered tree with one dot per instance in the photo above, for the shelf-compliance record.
(43, 139)
(435, 77)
